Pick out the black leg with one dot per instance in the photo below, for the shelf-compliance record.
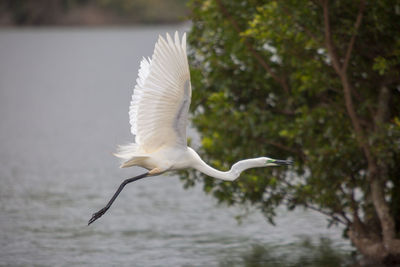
(100, 213)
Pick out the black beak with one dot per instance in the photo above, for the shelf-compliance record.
(283, 162)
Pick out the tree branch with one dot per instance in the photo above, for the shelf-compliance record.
(353, 37)
(330, 214)
(328, 40)
(377, 192)
(342, 212)
(367, 246)
(326, 213)
(347, 87)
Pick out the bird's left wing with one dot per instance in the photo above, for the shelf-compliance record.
(161, 99)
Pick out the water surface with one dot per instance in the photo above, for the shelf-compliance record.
(64, 96)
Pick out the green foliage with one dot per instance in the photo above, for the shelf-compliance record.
(295, 108)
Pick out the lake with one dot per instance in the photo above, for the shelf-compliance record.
(64, 97)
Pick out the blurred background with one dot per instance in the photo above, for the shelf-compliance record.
(67, 71)
(91, 12)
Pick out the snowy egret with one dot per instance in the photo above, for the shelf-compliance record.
(159, 115)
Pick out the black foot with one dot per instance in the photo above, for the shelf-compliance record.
(97, 215)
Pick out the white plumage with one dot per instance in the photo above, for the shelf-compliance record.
(158, 115)
(160, 101)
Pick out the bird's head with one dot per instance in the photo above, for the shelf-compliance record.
(245, 164)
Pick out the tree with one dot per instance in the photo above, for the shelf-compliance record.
(317, 81)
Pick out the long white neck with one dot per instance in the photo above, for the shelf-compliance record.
(230, 175)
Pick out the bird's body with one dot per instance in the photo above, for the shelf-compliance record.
(159, 109)
(178, 158)
(159, 116)
(163, 159)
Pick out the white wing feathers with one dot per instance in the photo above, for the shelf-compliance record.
(161, 99)
(136, 96)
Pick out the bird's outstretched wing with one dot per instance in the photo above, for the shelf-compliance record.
(160, 101)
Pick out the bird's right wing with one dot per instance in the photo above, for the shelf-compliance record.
(160, 102)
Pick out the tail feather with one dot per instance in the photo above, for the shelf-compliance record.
(136, 160)
(130, 155)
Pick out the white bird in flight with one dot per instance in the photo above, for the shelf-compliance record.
(158, 116)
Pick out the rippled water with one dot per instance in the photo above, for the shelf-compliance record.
(64, 96)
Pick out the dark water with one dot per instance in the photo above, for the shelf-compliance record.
(64, 96)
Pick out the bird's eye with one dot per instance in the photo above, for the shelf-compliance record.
(269, 161)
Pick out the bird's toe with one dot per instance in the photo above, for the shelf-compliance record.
(97, 215)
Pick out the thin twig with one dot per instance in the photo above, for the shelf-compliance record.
(342, 212)
(326, 213)
(353, 37)
(328, 40)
